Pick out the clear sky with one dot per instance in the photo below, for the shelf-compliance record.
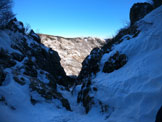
(73, 18)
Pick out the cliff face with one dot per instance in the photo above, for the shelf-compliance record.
(25, 63)
(72, 51)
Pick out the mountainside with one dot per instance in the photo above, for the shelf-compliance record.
(30, 73)
(72, 51)
(119, 82)
(126, 77)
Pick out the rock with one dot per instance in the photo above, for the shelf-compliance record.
(15, 25)
(91, 64)
(5, 59)
(159, 115)
(157, 3)
(84, 97)
(9, 63)
(115, 62)
(22, 46)
(30, 69)
(20, 81)
(33, 59)
(35, 36)
(50, 62)
(139, 10)
(66, 104)
(12, 107)
(95, 89)
(48, 93)
(2, 99)
(33, 101)
(41, 57)
(17, 57)
(2, 76)
(41, 88)
(104, 108)
(131, 30)
(52, 81)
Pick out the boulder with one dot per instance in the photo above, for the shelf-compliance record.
(115, 62)
(2, 76)
(17, 56)
(91, 64)
(5, 60)
(20, 81)
(157, 3)
(15, 25)
(50, 62)
(34, 36)
(138, 11)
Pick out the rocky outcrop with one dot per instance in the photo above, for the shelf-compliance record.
(115, 62)
(5, 60)
(157, 3)
(71, 50)
(29, 60)
(91, 66)
(2, 76)
(35, 36)
(159, 115)
(47, 92)
(139, 10)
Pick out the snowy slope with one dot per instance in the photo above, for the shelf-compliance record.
(18, 97)
(135, 90)
(28, 79)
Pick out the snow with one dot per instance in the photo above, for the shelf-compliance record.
(135, 90)
(18, 97)
(19, 26)
(17, 106)
(5, 41)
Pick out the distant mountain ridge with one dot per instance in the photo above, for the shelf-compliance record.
(71, 50)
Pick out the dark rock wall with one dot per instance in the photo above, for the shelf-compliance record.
(159, 115)
(157, 3)
(138, 11)
(31, 59)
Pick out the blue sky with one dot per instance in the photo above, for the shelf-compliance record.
(73, 18)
